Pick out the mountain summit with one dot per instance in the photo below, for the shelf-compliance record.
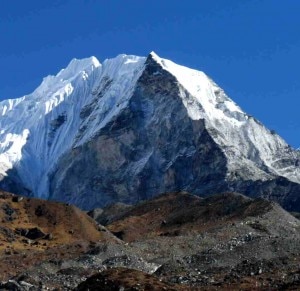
(134, 127)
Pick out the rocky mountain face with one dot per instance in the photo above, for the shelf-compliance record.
(135, 127)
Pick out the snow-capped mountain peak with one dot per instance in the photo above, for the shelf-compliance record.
(204, 91)
(133, 127)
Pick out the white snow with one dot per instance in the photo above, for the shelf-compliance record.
(123, 71)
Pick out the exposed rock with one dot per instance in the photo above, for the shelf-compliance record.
(31, 233)
(17, 198)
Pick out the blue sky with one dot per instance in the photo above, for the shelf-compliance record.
(250, 48)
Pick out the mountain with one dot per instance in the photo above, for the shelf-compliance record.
(133, 127)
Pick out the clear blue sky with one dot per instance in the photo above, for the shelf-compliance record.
(250, 48)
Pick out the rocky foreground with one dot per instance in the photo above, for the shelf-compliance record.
(175, 241)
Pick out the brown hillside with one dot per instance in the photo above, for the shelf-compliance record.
(32, 230)
(180, 213)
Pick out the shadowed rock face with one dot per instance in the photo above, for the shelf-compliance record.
(279, 189)
(151, 147)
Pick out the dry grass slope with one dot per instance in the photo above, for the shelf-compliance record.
(33, 230)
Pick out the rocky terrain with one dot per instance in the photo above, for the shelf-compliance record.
(176, 241)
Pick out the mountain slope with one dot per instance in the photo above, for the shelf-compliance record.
(225, 242)
(165, 216)
(34, 230)
(134, 127)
